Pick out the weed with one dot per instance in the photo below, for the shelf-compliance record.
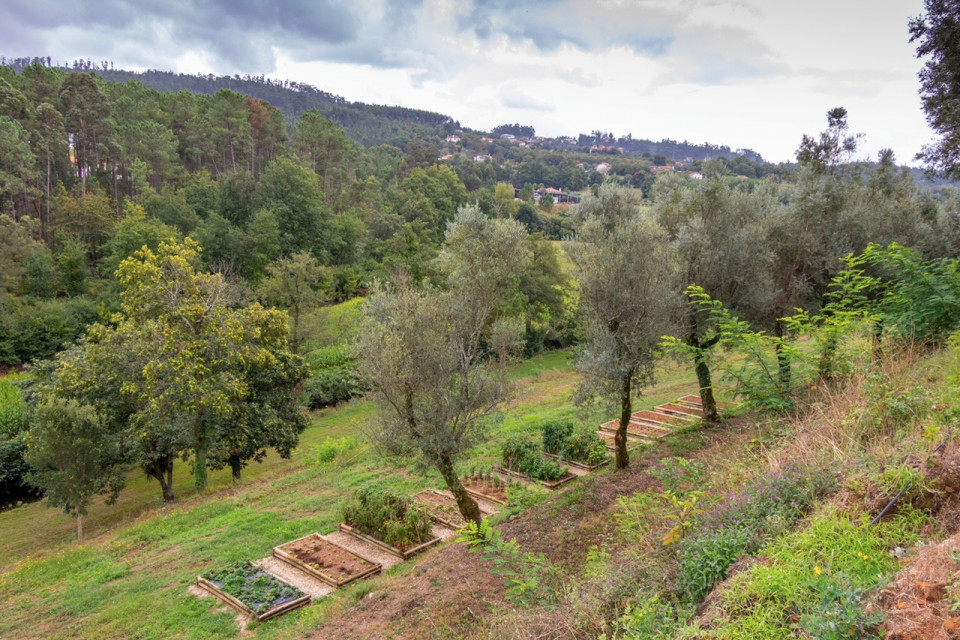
(387, 517)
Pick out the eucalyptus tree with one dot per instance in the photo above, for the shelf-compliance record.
(436, 357)
(628, 294)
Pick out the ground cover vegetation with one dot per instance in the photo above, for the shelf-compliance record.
(822, 309)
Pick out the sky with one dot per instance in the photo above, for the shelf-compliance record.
(754, 74)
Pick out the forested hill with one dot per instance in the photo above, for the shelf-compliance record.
(368, 124)
(371, 124)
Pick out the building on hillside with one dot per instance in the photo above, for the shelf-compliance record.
(507, 136)
(481, 158)
(449, 156)
(453, 138)
(603, 167)
(696, 176)
(663, 167)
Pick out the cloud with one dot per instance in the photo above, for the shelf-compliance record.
(520, 100)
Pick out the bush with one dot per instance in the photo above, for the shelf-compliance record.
(523, 456)
(13, 433)
(36, 329)
(582, 445)
(741, 523)
(586, 447)
(334, 378)
(388, 517)
(555, 433)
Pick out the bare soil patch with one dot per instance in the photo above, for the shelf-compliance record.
(330, 562)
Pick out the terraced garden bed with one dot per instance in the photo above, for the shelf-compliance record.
(578, 465)
(549, 484)
(252, 591)
(443, 509)
(325, 560)
(404, 552)
(487, 488)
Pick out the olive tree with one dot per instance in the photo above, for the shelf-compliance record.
(435, 357)
(624, 267)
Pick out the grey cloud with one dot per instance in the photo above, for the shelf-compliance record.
(518, 100)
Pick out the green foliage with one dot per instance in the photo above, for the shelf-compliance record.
(585, 446)
(756, 377)
(815, 579)
(73, 454)
(334, 377)
(555, 434)
(634, 515)
(477, 536)
(678, 475)
(681, 508)
(838, 613)
(919, 299)
(523, 456)
(253, 587)
(332, 448)
(387, 517)
(740, 523)
(647, 617)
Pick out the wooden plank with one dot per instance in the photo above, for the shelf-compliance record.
(344, 527)
(549, 484)
(439, 520)
(578, 465)
(670, 406)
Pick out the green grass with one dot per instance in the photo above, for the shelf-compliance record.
(129, 578)
(834, 553)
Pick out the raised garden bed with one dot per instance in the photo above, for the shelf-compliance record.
(549, 484)
(443, 509)
(485, 488)
(325, 560)
(632, 443)
(404, 553)
(684, 413)
(253, 592)
(578, 465)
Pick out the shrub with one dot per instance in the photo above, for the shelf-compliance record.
(334, 378)
(555, 433)
(387, 517)
(582, 445)
(741, 523)
(586, 447)
(13, 432)
(523, 456)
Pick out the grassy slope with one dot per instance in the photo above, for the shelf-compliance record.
(129, 578)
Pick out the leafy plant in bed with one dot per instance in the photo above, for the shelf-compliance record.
(483, 483)
(389, 518)
(523, 457)
(580, 446)
(252, 587)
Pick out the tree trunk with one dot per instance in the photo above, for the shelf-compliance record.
(783, 359)
(235, 466)
(469, 508)
(828, 355)
(626, 410)
(878, 341)
(710, 412)
(200, 466)
(79, 527)
(162, 470)
(707, 401)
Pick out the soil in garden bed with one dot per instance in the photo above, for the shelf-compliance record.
(443, 507)
(486, 486)
(326, 557)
